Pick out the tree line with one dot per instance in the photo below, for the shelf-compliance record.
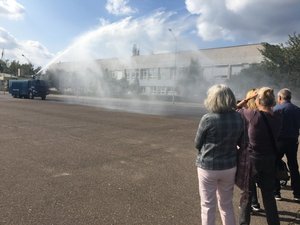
(12, 67)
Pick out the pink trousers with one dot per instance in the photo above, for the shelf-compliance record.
(216, 186)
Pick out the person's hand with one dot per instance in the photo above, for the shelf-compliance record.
(244, 101)
(253, 95)
(241, 103)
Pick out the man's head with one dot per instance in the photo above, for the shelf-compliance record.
(284, 95)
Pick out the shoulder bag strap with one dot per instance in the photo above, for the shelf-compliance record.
(269, 129)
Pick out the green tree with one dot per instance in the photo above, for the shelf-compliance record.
(13, 67)
(279, 68)
(283, 62)
(135, 87)
(3, 66)
(191, 83)
(283, 58)
(113, 87)
(256, 75)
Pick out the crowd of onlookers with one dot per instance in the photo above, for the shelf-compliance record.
(241, 143)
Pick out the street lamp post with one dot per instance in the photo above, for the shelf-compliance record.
(26, 58)
(30, 63)
(175, 64)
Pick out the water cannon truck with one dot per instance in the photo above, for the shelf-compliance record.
(28, 88)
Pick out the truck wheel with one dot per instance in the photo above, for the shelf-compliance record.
(43, 97)
(30, 95)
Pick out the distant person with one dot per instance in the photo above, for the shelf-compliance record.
(288, 140)
(262, 123)
(249, 188)
(216, 140)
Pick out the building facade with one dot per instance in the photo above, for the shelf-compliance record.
(4, 78)
(157, 74)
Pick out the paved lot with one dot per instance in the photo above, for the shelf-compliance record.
(78, 165)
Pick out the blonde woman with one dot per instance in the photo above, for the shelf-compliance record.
(217, 136)
(255, 206)
(260, 123)
(251, 100)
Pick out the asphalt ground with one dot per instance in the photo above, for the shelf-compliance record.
(70, 164)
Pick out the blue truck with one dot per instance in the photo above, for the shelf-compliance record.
(28, 88)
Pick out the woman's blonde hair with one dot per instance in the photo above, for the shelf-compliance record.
(266, 97)
(220, 98)
(251, 102)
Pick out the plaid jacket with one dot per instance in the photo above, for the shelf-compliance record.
(216, 140)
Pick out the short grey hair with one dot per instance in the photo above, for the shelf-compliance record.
(220, 99)
(285, 94)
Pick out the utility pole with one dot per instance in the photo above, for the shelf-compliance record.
(175, 64)
(30, 63)
(2, 54)
(27, 59)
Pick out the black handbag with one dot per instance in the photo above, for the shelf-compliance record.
(282, 172)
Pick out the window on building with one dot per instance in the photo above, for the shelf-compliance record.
(150, 74)
(153, 90)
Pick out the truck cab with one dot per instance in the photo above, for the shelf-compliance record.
(38, 88)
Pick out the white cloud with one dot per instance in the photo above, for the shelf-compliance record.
(36, 52)
(119, 7)
(7, 40)
(236, 5)
(11, 9)
(250, 20)
(33, 51)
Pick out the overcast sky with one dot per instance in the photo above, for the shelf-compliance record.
(58, 30)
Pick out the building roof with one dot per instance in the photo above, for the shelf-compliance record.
(232, 55)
